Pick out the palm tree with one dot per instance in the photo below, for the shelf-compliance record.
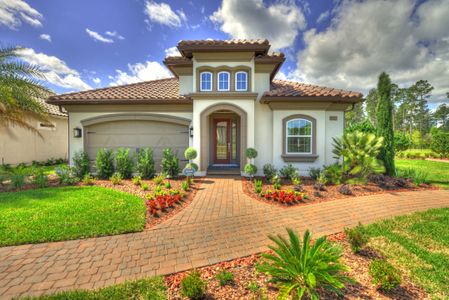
(19, 91)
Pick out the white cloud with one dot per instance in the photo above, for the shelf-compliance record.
(13, 12)
(163, 14)
(323, 16)
(138, 72)
(172, 51)
(115, 35)
(56, 70)
(98, 37)
(96, 80)
(366, 38)
(46, 37)
(280, 22)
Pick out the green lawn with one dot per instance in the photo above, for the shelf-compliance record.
(438, 172)
(419, 245)
(55, 214)
(151, 289)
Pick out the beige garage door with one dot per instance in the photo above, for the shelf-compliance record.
(138, 134)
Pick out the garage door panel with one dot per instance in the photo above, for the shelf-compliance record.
(138, 134)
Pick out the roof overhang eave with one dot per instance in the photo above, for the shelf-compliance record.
(350, 100)
(118, 101)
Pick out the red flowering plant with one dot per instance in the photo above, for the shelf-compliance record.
(161, 200)
(285, 197)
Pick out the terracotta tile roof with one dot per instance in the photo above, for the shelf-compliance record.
(187, 47)
(234, 42)
(154, 91)
(293, 89)
(51, 109)
(177, 60)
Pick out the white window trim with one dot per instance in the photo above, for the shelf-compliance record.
(299, 135)
(246, 82)
(211, 81)
(218, 81)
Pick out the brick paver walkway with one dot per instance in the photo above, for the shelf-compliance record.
(220, 224)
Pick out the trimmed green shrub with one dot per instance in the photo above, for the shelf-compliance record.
(88, 180)
(333, 173)
(158, 179)
(288, 171)
(314, 173)
(258, 186)
(124, 163)
(192, 166)
(418, 154)
(66, 176)
(137, 180)
(104, 163)
(185, 185)
(81, 164)
(440, 143)
(357, 237)
(364, 126)
(251, 153)
(144, 186)
(269, 171)
(385, 276)
(300, 269)
(18, 180)
(116, 178)
(190, 153)
(250, 169)
(40, 179)
(225, 277)
(168, 185)
(170, 163)
(145, 163)
(192, 286)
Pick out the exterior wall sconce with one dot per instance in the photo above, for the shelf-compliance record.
(77, 132)
(191, 131)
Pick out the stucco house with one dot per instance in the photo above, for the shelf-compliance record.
(222, 99)
(19, 145)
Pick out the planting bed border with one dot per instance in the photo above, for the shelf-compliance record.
(248, 189)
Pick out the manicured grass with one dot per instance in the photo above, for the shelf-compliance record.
(419, 245)
(55, 214)
(438, 172)
(151, 288)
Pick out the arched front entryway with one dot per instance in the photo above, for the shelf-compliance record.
(223, 136)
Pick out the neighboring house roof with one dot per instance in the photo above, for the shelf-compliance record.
(52, 109)
(154, 91)
(166, 91)
(292, 90)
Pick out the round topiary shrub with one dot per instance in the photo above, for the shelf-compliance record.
(250, 169)
(251, 153)
(192, 166)
(190, 153)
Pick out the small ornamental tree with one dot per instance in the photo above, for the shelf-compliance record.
(384, 115)
(440, 143)
(250, 168)
(190, 154)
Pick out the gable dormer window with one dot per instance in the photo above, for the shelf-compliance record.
(206, 81)
(223, 81)
(241, 81)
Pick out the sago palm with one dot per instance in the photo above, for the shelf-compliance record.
(359, 151)
(19, 89)
(300, 270)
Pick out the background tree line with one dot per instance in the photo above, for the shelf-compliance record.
(413, 121)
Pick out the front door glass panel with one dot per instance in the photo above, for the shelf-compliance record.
(222, 140)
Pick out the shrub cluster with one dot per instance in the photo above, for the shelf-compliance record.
(192, 286)
(105, 163)
(170, 163)
(124, 163)
(81, 164)
(357, 237)
(145, 163)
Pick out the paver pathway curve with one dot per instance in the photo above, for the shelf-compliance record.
(221, 223)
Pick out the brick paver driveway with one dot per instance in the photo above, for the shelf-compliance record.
(220, 224)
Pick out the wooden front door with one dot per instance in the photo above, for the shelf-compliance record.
(222, 141)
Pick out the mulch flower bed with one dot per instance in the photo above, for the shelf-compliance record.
(246, 276)
(183, 198)
(310, 193)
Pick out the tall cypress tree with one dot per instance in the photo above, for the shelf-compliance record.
(384, 115)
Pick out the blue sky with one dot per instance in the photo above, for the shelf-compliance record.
(87, 44)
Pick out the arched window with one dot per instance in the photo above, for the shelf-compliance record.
(223, 81)
(241, 81)
(299, 136)
(206, 81)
